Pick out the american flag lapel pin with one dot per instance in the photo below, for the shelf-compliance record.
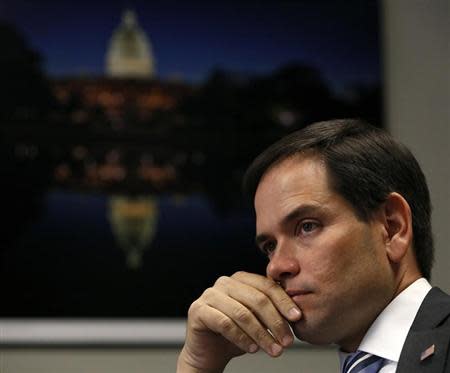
(427, 353)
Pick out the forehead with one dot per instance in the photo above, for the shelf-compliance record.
(293, 175)
(294, 181)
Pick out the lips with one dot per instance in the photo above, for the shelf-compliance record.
(298, 296)
(294, 293)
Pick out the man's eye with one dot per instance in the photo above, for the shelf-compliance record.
(306, 227)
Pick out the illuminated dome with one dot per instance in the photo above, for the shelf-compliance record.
(134, 224)
(130, 53)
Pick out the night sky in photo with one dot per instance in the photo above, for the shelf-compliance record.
(190, 38)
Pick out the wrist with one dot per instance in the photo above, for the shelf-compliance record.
(184, 367)
(189, 365)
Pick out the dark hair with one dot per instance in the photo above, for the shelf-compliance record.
(365, 164)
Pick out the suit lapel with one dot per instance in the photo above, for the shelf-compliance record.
(430, 327)
(413, 358)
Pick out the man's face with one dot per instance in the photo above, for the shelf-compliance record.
(333, 265)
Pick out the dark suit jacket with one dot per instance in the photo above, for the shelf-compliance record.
(430, 327)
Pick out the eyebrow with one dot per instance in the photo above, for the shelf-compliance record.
(293, 215)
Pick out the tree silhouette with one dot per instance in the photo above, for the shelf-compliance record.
(24, 92)
(24, 97)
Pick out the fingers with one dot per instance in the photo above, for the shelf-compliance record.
(240, 320)
(247, 311)
(220, 323)
(260, 305)
(284, 304)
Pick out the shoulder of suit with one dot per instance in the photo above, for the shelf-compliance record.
(434, 311)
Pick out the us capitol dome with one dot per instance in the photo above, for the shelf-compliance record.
(130, 53)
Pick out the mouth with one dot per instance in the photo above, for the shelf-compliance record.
(294, 293)
(298, 295)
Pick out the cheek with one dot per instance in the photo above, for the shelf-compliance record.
(336, 260)
(327, 269)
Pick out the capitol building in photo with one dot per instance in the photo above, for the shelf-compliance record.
(129, 91)
(130, 52)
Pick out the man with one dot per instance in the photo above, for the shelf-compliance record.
(343, 215)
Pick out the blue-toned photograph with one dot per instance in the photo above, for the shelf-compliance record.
(126, 129)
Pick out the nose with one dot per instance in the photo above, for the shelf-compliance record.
(284, 263)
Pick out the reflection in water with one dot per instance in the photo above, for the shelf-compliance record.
(71, 259)
(133, 222)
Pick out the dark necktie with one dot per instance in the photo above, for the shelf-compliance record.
(362, 362)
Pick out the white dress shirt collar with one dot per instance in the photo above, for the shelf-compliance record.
(387, 334)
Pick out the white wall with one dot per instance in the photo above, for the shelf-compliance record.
(417, 84)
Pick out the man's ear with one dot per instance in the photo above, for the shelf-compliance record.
(398, 226)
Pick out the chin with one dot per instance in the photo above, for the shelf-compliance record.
(306, 331)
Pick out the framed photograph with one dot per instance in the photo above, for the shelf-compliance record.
(125, 135)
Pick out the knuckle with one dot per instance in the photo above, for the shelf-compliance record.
(242, 315)
(238, 274)
(222, 280)
(272, 286)
(208, 293)
(261, 334)
(194, 308)
(285, 302)
(278, 324)
(261, 300)
(226, 325)
(242, 339)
